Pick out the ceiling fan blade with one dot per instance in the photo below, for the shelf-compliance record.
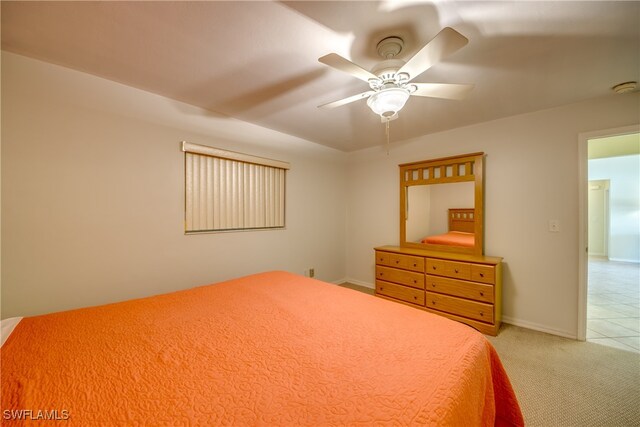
(442, 90)
(443, 44)
(338, 62)
(348, 100)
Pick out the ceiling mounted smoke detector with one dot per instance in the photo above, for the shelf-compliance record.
(625, 87)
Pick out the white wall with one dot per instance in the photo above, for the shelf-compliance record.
(624, 204)
(417, 212)
(531, 176)
(93, 198)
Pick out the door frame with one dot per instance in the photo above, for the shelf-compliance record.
(607, 229)
(583, 216)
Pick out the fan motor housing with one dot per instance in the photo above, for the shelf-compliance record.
(387, 69)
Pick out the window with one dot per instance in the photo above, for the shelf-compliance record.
(228, 191)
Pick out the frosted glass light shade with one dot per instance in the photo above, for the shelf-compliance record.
(388, 102)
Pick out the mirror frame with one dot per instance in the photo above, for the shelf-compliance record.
(449, 172)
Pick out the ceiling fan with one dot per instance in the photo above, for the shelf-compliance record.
(390, 80)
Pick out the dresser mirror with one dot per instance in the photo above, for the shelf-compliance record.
(441, 204)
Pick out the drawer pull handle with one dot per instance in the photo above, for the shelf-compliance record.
(415, 281)
(415, 265)
(434, 267)
(382, 274)
(456, 270)
(481, 314)
(481, 294)
(481, 274)
(397, 261)
(433, 285)
(381, 288)
(415, 297)
(433, 302)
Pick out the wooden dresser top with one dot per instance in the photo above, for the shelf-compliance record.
(481, 259)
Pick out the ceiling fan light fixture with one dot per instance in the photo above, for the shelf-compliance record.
(388, 102)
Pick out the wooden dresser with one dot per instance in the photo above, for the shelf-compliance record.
(462, 287)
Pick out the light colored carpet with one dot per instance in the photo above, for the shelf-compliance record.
(358, 288)
(562, 382)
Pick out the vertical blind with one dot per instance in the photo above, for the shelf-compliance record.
(232, 191)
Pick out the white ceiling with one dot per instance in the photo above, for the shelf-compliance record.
(257, 61)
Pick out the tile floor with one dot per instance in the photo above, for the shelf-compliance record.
(613, 304)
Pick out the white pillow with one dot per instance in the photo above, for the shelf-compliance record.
(7, 326)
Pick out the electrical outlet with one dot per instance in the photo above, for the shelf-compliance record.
(312, 272)
(554, 225)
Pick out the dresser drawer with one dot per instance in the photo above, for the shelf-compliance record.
(382, 258)
(462, 307)
(404, 277)
(400, 292)
(460, 288)
(405, 262)
(483, 273)
(455, 269)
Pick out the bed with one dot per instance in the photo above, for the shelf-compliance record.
(461, 233)
(267, 349)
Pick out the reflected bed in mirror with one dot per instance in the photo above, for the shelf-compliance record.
(441, 204)
(460, 230)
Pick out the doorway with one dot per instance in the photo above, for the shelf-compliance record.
(609, 277)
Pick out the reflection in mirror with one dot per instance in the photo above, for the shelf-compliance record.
(427, 209)
(441, 204)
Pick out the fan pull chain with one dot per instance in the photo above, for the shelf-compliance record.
(387, 132)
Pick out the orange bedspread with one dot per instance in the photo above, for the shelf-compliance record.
(452, 238)
(268, 349)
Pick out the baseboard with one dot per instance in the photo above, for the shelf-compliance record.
(538, 327)
(506, 319)
(355, 282)
(634, 261)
